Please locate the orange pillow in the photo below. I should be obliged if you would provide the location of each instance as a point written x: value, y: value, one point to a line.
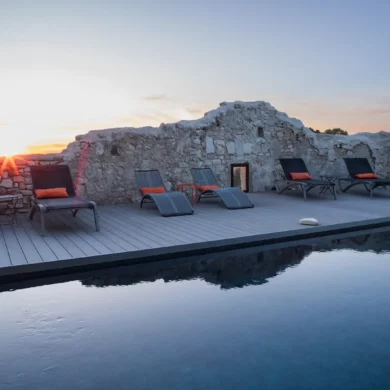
x: 211, y: 187
x: 51, y: 193
x: 155, y: 190
x: 366, y: 176
x: 300, y: 176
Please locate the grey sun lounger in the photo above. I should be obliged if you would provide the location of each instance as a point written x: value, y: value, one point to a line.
x: 169, y: 204
x: 358, y: 166
x: 297, y: 165
x: 232, y: 197
x: 57, y: 176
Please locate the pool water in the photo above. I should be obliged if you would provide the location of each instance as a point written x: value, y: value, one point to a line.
x: 305, y: 317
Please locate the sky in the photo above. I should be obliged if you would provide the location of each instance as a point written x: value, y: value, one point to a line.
x: 67, y: 67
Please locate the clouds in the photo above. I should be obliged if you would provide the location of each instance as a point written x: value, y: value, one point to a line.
x: 156, y: 98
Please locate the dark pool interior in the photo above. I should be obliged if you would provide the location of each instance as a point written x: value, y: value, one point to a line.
x: 309, y: 316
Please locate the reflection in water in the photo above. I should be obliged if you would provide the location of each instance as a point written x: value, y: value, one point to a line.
x: 323, y: 323
x: 243, y: 268
x: 219, y: 269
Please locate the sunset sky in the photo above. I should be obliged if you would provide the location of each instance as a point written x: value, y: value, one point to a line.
x: 67, y: 67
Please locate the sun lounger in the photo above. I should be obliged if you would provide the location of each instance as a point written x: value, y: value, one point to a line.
x: 296, y: 175
x: 207, y: 186
x: 54, y: 190
x: 361, y: 173
x: 152, y: 189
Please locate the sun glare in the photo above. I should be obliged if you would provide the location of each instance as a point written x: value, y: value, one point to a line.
x: 12, y: 144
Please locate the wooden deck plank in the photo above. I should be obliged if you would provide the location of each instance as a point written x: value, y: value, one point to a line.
x: 84, y: 235
x: 80, y: 245
x: 139, y: 231
x: 127, y: 229
x: 189, y: 223
x: 28, y: 248
x: 79, y: 224
x: 52, y: 231
x: 128, y: 232
x: 180, y: 225
x: 58, y: 249
x: 170, y: 229
x: 15, y: 251
x: 111, y: 233
x: 44, y: 249
x: 5, y: 259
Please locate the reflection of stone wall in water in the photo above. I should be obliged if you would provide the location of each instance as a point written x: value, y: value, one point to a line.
x: 232, y: 271
x: 378, y: 243
x: 219, y: 269
x: 104, y: 161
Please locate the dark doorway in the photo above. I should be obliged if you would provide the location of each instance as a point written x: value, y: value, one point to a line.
x: 239, y: 176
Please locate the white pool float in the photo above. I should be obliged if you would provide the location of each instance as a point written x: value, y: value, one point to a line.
x: 308, y: 221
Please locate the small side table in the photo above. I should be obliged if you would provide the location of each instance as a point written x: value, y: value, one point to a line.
x: 13, y: 200
x: 331, y: 179
x: 188, y: 188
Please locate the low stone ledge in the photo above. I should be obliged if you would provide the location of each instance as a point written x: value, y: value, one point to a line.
x: 15, y: 178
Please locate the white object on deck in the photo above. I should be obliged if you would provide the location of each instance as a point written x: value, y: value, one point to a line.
x: 308, y: 221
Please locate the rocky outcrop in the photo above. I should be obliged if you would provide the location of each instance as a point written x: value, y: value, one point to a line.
x: 103, y: 161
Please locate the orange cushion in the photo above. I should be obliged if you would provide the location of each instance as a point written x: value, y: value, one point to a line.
x: 155, y: 190
x: 366, y: 176
x: 51, y: 193
x: 205, y: 188
x: 300, y: 176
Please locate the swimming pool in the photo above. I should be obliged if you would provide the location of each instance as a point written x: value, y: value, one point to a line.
x: 314, y: 316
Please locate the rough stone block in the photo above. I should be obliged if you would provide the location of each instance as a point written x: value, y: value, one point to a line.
x: 239, y: 146
x: 99, y: 149
x: 7, y: 183
x: 247, y: 148
x: 230, y: 147
x: 210, y: 145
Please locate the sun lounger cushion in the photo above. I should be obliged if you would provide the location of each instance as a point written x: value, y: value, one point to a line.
x: 155, y: 190
x: 51, y: 193
x: 210, y: 187
x: 300, y: 176
x: 366, y: 176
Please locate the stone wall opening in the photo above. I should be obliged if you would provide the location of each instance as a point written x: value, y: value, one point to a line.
x: 239, y: 176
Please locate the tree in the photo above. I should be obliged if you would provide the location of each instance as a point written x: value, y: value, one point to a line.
x: 314, y: 131
x: 336, y: 131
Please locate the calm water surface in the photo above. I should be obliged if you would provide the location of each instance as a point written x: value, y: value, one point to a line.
x: 293, y: 318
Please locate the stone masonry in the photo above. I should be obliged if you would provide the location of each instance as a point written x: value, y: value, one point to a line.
x: 15, y: 178
x: 103, y: 161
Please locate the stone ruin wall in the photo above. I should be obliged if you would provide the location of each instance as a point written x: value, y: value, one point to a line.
x: 103, y: 162
x: 15, y: 178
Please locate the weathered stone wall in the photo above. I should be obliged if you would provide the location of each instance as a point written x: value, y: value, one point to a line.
x: 15, y: 178
x: 103, y: 162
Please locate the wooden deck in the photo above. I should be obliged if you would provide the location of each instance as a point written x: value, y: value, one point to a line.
x: 128, y: 233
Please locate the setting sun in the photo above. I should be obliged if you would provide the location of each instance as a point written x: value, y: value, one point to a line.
x: 14, y: 142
